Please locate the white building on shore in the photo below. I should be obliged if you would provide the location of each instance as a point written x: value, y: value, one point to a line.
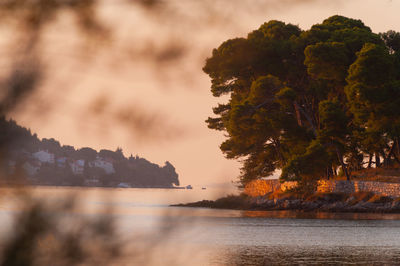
x: 104, y: 164
x: 44, y: 156
x: 77, y: 166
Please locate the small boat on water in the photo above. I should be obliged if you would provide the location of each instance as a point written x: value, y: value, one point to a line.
x: 123, y: 185
x: 189, y: 187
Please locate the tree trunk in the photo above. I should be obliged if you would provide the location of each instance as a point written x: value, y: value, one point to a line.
x: 398, y: 146
x: 298, y: 116
x: 370, y: 160
x: 391, y: 150
x: 387, y: 158
x: 330, y: 172
x: 396, y: 158
x: 377, y: 160
x: 297, y: 106
x: 340, y: 158
x: 278, y: 150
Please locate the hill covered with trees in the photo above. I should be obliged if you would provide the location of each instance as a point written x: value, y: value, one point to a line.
x: 312, y: 103
x: 46, y: 162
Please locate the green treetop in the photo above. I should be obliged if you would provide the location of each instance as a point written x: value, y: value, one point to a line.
x: 307, y: 102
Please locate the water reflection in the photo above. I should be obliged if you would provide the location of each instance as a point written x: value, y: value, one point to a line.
x: 155, y: 234
x: 309, y: 255
x: 322, y: 215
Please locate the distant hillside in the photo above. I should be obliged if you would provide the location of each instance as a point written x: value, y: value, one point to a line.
x: 45, y: 162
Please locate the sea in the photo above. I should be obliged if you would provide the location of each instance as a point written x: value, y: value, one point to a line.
x: 154, y: 233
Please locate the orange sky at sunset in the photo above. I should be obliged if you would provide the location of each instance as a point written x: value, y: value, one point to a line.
x: 144, y: 90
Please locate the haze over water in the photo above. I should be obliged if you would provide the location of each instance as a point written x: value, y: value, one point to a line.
x: 196, y: 236
x: 145, y: 91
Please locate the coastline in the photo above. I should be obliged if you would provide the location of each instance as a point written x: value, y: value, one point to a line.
x: 326, y: 202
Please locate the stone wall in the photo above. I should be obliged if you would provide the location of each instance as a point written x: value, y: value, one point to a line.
x: 262, y: 187
x: 379, y: 188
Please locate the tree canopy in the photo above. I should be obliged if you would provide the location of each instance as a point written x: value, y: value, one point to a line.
x: 310, y: 102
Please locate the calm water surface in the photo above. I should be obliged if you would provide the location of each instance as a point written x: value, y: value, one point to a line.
x: 196, y: 236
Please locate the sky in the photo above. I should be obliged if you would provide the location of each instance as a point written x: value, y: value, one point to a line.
x: 141, y: 86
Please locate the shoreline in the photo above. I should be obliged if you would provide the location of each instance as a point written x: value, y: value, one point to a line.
x: 328, y: 202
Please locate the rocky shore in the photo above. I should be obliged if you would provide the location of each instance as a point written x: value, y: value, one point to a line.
x: 327, y: 202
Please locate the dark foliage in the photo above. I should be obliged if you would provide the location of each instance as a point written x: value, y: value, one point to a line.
x: 310, y: 103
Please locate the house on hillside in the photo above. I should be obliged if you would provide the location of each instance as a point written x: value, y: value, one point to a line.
x: 105, y: 164
x: 44, y: 156
x: 77, y: 166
